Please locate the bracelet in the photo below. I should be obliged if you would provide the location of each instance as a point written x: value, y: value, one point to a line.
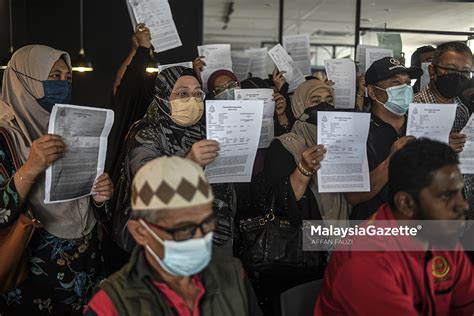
x: 97, y: 205
x: 304, y: 171
x: 23, y: 179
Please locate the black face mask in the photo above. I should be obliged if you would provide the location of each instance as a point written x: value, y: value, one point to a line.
x: 450, y: 85
x: 312, y: 112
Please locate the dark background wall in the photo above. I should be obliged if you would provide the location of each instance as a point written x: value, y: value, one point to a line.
x: 107, y: 34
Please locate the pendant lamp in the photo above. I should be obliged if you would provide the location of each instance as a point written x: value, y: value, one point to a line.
x: 81, y: 63
x: 6, y: 59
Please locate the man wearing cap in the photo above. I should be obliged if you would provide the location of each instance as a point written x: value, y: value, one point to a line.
x: 390, y: 93
x: 172, y: 271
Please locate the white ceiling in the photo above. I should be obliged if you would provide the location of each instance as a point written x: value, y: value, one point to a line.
x: 254, y: 21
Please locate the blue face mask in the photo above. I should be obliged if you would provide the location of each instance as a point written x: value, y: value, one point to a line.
x: 55, y: 92
x: 399, y: 99
x: 182, y: 258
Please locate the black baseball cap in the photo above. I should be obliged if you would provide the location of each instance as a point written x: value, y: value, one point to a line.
x: 388, y: 67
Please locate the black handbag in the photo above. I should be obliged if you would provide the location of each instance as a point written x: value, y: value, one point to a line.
x: 270, y: 243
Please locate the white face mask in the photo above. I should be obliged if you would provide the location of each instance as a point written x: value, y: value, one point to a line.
x: 186, y: 113
x: 228, y: 94
x: 182, y: 258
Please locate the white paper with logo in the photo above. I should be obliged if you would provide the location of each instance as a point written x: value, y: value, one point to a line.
x: 345, y: 167
x: 267, y: 133
x: 433, y: 121
x: 236, y: 126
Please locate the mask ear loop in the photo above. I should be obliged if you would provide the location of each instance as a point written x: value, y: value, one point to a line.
x: 159, y: 105
x: 23, y: 83
x: 151, y: 231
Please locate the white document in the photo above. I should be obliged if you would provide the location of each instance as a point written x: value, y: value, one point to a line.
x: 284, y: 62
x: 297, y: 47
x: 267, y: 133
x: 84, y: 131
x: 236, y: 126
x: 360, y: 56
x: 425, y: 78
x: 258, y: 62
x: 187, y: 64
x: 345, y: 167
x: 374, y: 54
x: 156, y: 14
x: 240, y: 64
x: 433, y: 121
x: 466, y: 156
x: 216, y: 56
x: 342, y: 72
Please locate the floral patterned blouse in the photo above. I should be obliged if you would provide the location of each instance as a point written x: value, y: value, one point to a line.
x: 62, y: 272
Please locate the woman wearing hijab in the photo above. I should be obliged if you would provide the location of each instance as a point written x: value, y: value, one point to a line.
x: 221, y: 85
x: 173, y: 126
x: 64, y: 256
x: 290, y: 171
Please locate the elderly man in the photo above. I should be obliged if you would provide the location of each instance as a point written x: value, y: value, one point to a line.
x: 172, y: 271
x: 450, y: 72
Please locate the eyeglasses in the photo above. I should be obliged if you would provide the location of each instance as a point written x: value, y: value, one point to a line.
x: 198, y: 95
x: 464, y: 73
x: 228, y: 85
x: 189, y: 231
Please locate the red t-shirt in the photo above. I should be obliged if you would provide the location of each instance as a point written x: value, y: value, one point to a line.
x: 101, y: 304
x: 395, y: 283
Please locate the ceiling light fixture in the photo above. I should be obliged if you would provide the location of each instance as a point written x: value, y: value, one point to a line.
x: 4, y: 62
x: 81, y: 63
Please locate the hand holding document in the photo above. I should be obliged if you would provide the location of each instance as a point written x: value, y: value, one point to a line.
x: 466, y: 156
x: 283, y: 61
x: 345, y: 167
x: 433, y: 121
x: 156, y: 14
x: 84, y: 131
x: 267, y: 133
x: 236, y: 126
x: 297, y: 47
x: 216, y: 57
x: 342, y: 73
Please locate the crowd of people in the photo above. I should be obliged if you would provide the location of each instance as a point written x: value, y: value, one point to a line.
x: 155, y: 238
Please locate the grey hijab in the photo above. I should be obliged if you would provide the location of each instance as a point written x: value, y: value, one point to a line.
x: 26, y: 121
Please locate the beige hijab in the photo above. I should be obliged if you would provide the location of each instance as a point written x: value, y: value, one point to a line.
x: 333, y: 206
x: 26, y: 120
